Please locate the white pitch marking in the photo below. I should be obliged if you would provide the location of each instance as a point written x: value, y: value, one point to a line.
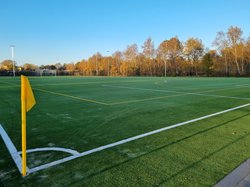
x: 73, y: 152
x: 45, y: 166
x: 243, y: 85
x: 190, y: 93
x: 16, y: 154
x: 12, y: 149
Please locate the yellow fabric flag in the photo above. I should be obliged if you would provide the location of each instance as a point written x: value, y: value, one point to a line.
x: 27, y: 93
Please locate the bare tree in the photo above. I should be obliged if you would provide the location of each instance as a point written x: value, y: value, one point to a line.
x: 162, y: 53
x: 234, y: 35
x: 118, y: 57
x: 222, y: 47
x: 149, y: 53
x: 130, y: 55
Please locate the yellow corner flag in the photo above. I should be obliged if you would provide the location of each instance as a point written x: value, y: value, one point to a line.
x: 26, y: 93
x: 27, y: 102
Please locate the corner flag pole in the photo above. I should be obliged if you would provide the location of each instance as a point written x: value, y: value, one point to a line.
x: 23, y: 101
x: 27, y: 102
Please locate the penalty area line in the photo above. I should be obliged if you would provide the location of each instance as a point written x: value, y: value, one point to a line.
x: 57, y: 162
x: 181, y: 92
x: 72, y: 97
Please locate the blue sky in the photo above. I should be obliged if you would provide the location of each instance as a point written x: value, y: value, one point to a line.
x: 48, y: 31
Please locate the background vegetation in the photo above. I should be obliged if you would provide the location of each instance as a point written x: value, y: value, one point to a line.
x: 171, y: 58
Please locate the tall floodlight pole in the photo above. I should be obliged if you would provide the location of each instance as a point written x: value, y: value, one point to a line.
x: 13, y: 62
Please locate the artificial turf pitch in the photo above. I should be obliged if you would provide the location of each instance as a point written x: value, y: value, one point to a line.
x: 82, y: 113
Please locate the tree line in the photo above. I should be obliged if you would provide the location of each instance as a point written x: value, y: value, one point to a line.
x: 172, y: 57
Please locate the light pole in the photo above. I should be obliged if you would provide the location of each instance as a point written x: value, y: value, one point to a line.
x: 13, y: 62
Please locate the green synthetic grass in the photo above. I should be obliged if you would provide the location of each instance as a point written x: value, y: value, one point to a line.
x: 83, y: 113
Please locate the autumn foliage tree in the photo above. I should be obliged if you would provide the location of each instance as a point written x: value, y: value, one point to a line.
x: 171, y: 57
x: 194, y: 50
x: 169, y: 52
x: 6, y: 65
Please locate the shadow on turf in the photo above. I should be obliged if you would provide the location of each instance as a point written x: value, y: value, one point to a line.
x: 170, y: 144
x: 203, y: 158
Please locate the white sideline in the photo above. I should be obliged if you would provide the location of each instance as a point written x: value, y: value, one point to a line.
x: 73, y: 152
x: 129, y: 140
x: 188, y: 93
x: 243, y: 85
x: 12, y: 149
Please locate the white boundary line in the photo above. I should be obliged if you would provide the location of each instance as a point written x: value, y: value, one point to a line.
x: 243, y: 85
x: 45, y: 166
x: 188, y: 93
x: 17, y: 159
x: 70, y: 151
x: 16, y: 154
x: 12, y: 149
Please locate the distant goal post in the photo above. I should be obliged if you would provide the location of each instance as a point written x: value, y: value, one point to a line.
x: 47, y: 72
